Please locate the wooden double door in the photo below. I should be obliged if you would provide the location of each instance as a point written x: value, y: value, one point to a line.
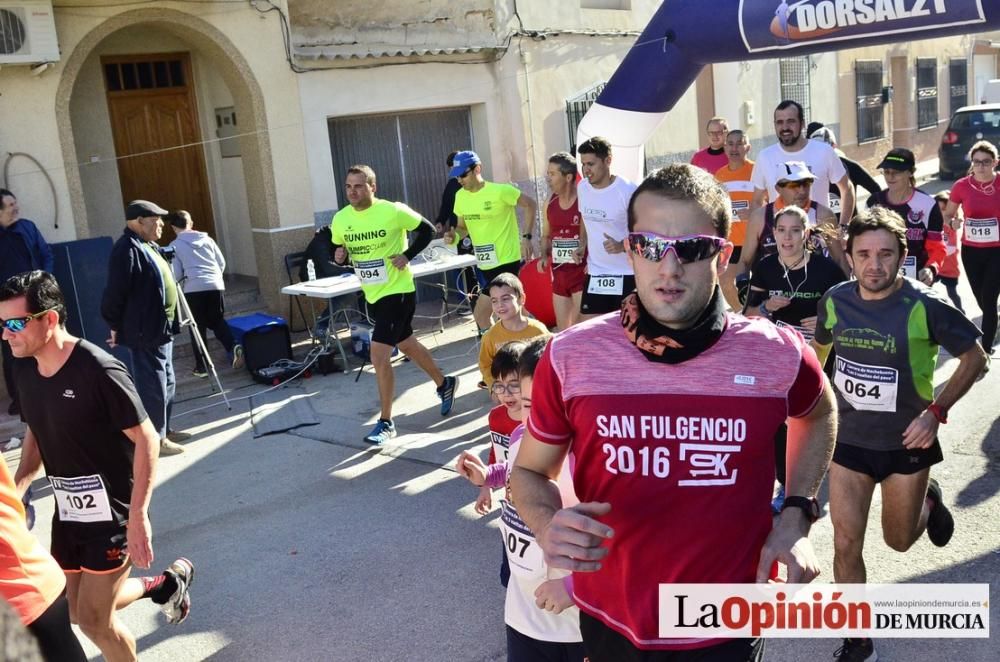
x: 154, y: 120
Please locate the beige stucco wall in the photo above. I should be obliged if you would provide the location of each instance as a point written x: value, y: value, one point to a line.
x: 241, y: 47
x: 901, y: 130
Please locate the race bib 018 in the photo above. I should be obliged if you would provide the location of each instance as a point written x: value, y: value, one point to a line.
x: 486, y: 256
x: 867, y: 387
x: 372, y: 272
x: 606, y: 284
x: 563, y: 249
x: 81, y: 499
x: 981, y: 230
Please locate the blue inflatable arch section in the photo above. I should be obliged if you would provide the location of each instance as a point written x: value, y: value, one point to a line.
x: 675, y: 46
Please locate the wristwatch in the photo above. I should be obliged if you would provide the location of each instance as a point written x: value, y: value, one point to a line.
x: 809, y: 505
x: 526, y: 235
x: 939, y: 413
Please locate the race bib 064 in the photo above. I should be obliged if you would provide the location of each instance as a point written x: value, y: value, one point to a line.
x: 867, y: 387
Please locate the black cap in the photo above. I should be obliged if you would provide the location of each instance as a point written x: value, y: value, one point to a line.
x: 899, y: 158
x: 142, y: 209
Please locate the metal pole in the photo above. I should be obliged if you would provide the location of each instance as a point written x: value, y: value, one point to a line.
x: 187, y: 319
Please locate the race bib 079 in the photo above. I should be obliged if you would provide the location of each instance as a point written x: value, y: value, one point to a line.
x: 867, y: 387
x: 981, y: 230
x: 606, y: 284
x: 486, y: 256
x: 81, y: 499
x: 563, y: 249
x: 372, y: 272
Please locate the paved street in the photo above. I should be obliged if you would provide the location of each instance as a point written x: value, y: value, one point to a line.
x: 310, y: 545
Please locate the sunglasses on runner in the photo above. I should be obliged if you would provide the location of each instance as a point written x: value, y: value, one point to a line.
x: 17, y: 324
x: 688, y: 249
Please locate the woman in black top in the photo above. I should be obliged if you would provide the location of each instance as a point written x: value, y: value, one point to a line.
x: 786, y: 286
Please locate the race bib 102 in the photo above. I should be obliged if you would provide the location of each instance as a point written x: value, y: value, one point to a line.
x: 606, y: 284
x: 867, y: 387
x: 81, y: 499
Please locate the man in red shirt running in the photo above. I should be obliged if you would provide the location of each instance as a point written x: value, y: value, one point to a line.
x: 672, y: 433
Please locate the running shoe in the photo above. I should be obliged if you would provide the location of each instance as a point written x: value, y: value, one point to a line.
x: 856, y: 650
x: 778, y: 501
x: 178, y: 606
x: 481, y: 385
x: 447, y: 394
x: 177, y: 435
x: 381, y: 433
x: 200, y: 373
x: 238, y: 359
x: 940, y: 523
x: 168, y: 447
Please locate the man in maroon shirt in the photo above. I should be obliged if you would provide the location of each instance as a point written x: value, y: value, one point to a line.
x: 674, y: 448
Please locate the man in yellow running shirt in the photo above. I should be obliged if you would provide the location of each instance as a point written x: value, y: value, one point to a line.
x: 486, y: 212
x: 374, y: 233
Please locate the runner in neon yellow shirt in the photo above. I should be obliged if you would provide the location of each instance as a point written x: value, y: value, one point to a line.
x: 486, y: 212
x: 374, y: 233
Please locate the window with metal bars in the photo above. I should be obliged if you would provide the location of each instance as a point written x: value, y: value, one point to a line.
x: 958, y: 80
x: 144, y: 75
x: 927, y: 92
x: 868, y: 88
x: 577, y: 107
x: 794, y: 76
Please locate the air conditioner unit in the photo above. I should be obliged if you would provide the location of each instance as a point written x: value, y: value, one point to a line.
x: 27, y: 32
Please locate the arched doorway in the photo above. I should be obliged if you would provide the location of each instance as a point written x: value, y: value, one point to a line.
x: 240, y: 184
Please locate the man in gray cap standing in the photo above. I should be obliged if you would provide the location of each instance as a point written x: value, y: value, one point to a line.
x: 140, y: 307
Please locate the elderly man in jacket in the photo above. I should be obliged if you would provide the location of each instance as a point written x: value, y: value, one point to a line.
x: 140, y: 305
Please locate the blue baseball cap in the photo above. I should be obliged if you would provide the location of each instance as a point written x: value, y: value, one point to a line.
x: 462, y: 162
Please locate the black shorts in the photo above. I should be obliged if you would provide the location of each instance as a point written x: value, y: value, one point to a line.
x: 522, y: 648
x: 882, y: 464
x: 606, y: 645
x: 95, y: 548
x: 598, y: 304
x: 393, y: 317
x: 490, y: 274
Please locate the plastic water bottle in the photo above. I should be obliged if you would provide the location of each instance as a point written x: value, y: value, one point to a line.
x: 311, y: 270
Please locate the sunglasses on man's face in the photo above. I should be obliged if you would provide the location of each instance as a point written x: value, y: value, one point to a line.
x: 17, y: 324
x: 688, y: 249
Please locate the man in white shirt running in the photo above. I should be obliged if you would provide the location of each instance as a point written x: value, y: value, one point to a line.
x: 792, y: 145
x: 603, y: 200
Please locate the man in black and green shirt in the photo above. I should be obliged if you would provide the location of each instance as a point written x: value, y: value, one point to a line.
x: 886, y: 330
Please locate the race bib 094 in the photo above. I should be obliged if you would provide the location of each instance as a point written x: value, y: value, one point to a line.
x: 372, y: 272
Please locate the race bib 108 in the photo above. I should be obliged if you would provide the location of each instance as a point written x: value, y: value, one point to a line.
x: 606, y: 284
